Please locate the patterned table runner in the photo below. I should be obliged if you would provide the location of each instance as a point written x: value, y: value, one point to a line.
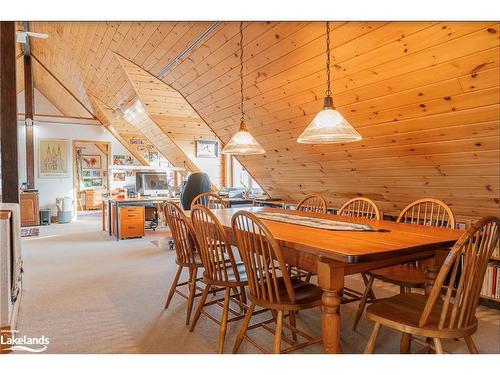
x: 313, y: 222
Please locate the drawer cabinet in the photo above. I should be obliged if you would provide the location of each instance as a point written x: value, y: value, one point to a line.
x: 131, y: 221
x: 30, y: 209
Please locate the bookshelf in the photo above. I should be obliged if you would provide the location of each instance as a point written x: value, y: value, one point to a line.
x: 491, y: 283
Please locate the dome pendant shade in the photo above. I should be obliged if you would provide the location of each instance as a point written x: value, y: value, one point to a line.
x: 329, y: 126
x: 243, y: 143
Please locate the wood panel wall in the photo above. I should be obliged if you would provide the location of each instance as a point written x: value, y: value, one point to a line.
x: 424, y: 96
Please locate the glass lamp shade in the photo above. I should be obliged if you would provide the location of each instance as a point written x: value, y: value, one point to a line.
x: 329, y: 126
x: 243, y: 143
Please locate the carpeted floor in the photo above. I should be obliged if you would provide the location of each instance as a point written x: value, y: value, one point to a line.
x: 91, y: 294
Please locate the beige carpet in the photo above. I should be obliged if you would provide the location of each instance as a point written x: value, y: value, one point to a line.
x: 91, y: 294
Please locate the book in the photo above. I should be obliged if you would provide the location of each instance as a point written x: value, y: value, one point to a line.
x: 497, y: 294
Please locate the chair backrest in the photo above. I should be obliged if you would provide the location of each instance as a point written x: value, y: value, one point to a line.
x: 428, y: 211
x: 461, y: 276
x: 215, y: 248
x: 182, y: 233
x: 264, y: 262
x: 209, y: 200
x: 196, y: 184
x: 313, y: 203
x: 360, y: 207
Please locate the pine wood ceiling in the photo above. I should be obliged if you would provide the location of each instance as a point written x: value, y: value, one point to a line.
x: 424, y: 96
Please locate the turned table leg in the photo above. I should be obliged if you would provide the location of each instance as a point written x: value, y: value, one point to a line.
x: 432, y: 267
x: 331, y: 280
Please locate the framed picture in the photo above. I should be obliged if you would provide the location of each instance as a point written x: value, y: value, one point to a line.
x: 96, y: 173
x: 153, y: 156
x: 87, y: 182
x: 119, y: 176
x: 118, y: 159
x: 129, y: 160
x: 53, y: 157
x: 207, y: 149
x: 91, y: 161
x: 136, y: 141
x: 96, y: 182
x: 87, y: 173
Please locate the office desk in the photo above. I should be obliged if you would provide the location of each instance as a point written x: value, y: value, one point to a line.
x: 234, y: 202
x: 115, y: 204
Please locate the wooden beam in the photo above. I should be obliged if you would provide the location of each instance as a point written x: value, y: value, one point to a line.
x: 8, y: 112
x: 29, y: 104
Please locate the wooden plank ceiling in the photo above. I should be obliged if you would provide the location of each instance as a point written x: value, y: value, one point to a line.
x: 424, y: 96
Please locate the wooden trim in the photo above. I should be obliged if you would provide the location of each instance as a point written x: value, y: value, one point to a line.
x: 107, y: 144
x: 8, y: 112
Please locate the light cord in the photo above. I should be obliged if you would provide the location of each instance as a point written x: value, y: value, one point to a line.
x: 241, y: 72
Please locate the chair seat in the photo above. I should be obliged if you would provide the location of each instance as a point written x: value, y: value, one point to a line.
x: 307, y: 295
x: 240, y: 269
x: 401, y: 274
x: 403, y: 311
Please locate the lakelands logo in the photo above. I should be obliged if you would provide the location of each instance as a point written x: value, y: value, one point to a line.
x: 11, y: 342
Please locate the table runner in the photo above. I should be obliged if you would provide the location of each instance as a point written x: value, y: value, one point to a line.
x: 313, y: 222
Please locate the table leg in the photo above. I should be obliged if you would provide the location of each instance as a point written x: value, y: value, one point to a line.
x: 117, y: 216
x: 103, y: 208
x: 432, y: 267
x: 110, y: 207
x: 331, y: 280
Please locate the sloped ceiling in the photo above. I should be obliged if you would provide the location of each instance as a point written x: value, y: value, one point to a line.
x: 168, y: 120
x: 424, y: 95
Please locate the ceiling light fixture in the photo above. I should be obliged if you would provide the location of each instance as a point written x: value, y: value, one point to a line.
x: 242, y: 143
x: 329, y: 126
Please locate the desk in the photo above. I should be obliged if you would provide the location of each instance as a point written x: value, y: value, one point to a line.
x: 335, y: 254
x: 274, y: 203
x: 115, y: 204
x: 233, y: 202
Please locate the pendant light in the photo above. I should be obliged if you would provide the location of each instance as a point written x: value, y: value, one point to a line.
x: 329, y: 126
x: 242, y: 143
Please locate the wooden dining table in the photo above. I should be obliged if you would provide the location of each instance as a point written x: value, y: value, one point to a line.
x: 334, y: 254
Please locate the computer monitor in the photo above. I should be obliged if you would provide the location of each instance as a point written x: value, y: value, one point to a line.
x: 152, y: 183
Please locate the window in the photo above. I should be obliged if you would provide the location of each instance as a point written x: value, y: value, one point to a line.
x: 242, y: 179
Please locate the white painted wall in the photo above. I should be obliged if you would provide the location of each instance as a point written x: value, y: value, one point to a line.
x: 42, y: 104
x: 52, y: 188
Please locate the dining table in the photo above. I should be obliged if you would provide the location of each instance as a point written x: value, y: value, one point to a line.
x: 334, y: 254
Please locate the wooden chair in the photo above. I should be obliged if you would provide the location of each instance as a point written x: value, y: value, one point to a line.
x: 360, y: 207
x: 221, y: 269
x: 449, y: 311
x: 209, y: 200
x: 187, y: 255
x: 427, y: 211
x: 270, y: 284
x: 368, y: 209
x: 310, y: 203
x: 313, y: 203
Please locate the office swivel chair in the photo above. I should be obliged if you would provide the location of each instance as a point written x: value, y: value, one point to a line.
x: 196, y: 184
